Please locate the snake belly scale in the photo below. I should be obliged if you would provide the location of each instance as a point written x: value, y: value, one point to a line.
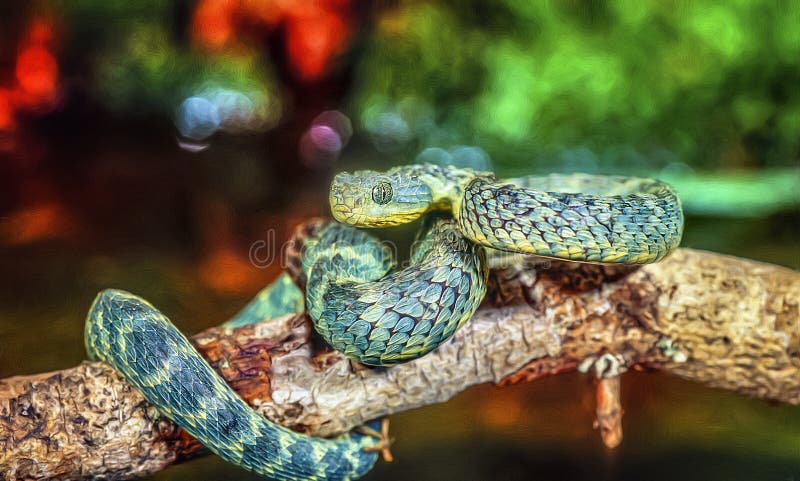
x: 577, y: 217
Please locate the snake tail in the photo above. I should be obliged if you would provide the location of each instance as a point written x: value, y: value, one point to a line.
x: 138, y: 341
x: 377, y: 316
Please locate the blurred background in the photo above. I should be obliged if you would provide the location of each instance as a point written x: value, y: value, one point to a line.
x: 149, y: 145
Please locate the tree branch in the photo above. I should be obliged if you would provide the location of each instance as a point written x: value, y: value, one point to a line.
x: 721, y: 321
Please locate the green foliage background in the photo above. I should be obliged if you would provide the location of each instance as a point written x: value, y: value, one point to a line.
x: 618, y: 85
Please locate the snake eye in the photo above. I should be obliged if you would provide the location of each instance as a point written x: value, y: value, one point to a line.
x: 382, y: 193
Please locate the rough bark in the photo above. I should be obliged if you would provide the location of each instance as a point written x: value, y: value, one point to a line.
x: 721, y: 321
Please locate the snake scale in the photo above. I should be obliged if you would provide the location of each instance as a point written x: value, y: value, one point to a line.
x: 373, y: 313
x: 379, y: 317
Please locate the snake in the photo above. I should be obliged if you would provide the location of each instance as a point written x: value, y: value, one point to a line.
x: 372, y: 312
x: 575, y: 217
x: 149, y: 352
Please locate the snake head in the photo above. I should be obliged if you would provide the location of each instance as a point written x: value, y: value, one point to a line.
x: 373, y: 199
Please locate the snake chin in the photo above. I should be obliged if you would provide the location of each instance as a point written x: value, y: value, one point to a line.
x: 362, y: 218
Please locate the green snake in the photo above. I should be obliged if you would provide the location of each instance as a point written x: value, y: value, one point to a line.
x: 372, y: 313
x: 577, y: 217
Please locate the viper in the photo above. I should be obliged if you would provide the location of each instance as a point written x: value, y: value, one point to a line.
x: 367, y: 308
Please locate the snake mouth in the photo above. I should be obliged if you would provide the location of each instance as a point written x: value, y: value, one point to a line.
x: 344, y: 214
x: 354, y: 216
x: 347, y: 215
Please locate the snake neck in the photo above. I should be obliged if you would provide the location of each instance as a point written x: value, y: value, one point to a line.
x: 447, y: 184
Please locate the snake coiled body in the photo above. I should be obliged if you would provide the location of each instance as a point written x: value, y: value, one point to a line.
x: 379, y: 317
x: 372, y: 313
x: 152, y: 355
x: 578, y: 217
x: 359, y: 306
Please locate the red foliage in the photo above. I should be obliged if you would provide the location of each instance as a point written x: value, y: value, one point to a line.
x: 6, y: 110
x: 316, y: 30
x: 36, y: 75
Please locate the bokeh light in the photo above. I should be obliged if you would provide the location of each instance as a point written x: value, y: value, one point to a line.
x: 34, y: 86
x: 37, y: 72
x: 324, y: 140
x: 387, y: 128
x: 314, y: 36
x: 216, y: 109
x: 197, y: 118
x: 464, y: 156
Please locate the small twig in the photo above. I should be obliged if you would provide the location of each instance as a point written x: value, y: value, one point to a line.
x: 609, y: 411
